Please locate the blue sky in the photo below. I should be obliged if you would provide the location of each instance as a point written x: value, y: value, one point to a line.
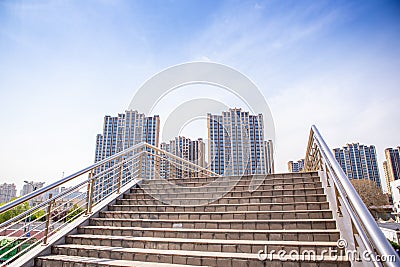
x: 65, y: 64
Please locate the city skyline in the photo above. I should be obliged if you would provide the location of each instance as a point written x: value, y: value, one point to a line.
x: 115, y: 127
x: 63, y: 67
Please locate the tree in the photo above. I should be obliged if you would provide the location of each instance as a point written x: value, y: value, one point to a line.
x: 370, y: 193
x: 74, y: 212
x: 5, y: 216
x: 39, y: 215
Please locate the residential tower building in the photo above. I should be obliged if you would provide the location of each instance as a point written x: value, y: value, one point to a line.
x: 7, y: 192
x: 359, y: 162
x: 236, y: 143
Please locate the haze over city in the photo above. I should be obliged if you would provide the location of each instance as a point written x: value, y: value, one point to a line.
x: 64, y: 65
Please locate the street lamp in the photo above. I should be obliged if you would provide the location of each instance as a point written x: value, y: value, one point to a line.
x: 28, y: 219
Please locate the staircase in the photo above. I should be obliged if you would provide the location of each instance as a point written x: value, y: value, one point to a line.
x: 286, y: 212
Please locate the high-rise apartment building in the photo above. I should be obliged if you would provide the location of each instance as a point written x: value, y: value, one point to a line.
x: 185, y: 148
x: 122, y: 132
x: 7, y: 192
x: 236, y: 143
x: 392, y: 166
x: 359, y: 162
x: 296, y: 166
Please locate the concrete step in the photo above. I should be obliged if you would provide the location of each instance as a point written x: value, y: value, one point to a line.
x: 227, y: 215
x: 219, y: 224
x: 210, y: 194
x: 129, y: 205
x: 65, y: 260
x: 233, y: 200
x: 167, y: 187
x: 238, y: 234
x: 283, y: 176
x: 215, y: 245
x: 225, y: 181
x: 199, y: 258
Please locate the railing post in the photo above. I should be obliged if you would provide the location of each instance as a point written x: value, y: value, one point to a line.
x: 48, y: 218
x: 88, y: 192
x: 119, y: 178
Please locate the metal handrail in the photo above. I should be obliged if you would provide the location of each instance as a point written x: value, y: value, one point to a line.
x: 40, y: 191
x: 356, y: 208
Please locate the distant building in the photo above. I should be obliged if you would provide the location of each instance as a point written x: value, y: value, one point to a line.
x: 71, y: 198
x: 236, y: 143
x: 185, y: 148
x: 30, y: 187
x: 7, y: 192
x: 296, y: 166
x: 359, y: 162
x: 391, y: 166
x: 165, y: 170
x: 119, y: 133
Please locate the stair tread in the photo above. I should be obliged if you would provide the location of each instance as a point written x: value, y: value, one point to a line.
x: 209, y: 241
x: 223, y: 191
x: 216, y: 221
x: 213, y: 230
x: 229, y: 197
x: 219, y: 204
x: 109, y: 262
x: 158, y: 182
x: 190, y: 253
x: 216, y: 212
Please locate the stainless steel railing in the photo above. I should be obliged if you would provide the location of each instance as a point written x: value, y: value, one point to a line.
x: 53, y: 210
x: 353, y: 216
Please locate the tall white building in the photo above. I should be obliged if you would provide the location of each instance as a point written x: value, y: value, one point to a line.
x: 237, y: 143
x: 7, y: 192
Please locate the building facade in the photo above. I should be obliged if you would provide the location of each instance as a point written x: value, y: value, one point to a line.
x: 359, y: 162
x: 7, y: 192
x: 392, y: 166
x: 297, y: 166
x: 122, y: 132
x: 236, y: 143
